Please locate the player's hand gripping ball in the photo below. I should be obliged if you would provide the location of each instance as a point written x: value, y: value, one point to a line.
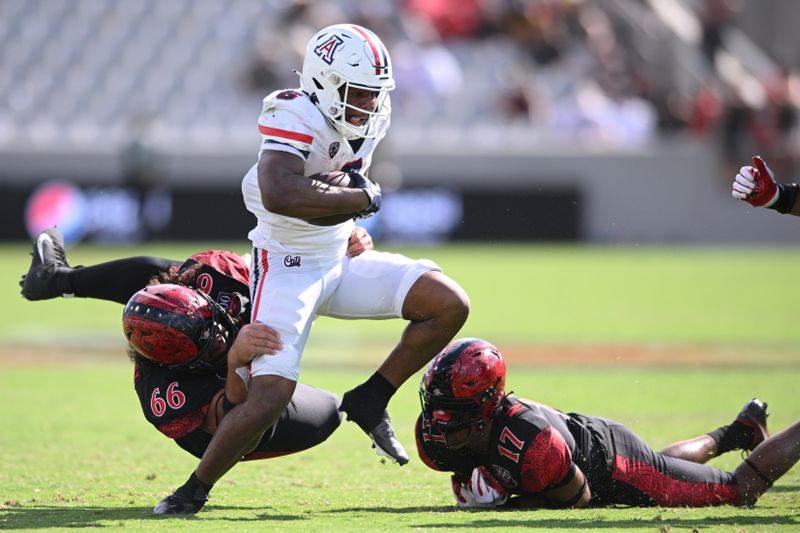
x: 480, y: 490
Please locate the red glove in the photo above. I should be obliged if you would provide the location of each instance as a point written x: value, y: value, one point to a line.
x: 756, y: 186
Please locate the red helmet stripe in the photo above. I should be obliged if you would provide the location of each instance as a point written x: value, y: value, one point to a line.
x: 372, y: 47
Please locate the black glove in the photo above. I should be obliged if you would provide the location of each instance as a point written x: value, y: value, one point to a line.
x: 373, y: 191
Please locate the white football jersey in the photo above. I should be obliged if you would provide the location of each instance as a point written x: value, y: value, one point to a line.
x: 291, y: 123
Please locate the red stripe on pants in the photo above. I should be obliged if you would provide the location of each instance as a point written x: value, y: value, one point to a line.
x: 669, y: 492
x: 263, y: 261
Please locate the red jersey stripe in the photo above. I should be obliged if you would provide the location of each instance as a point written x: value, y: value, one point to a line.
x: 286, y: 134
x: 515, y: 409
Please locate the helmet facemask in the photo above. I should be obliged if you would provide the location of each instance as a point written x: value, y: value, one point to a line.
x: 463, y: 390
x: 217, y: 337
x: 451, y: 416
x: 367, y: 129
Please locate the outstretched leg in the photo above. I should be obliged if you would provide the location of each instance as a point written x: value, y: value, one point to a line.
x: 641, y: 476
x: 116, y: 280
x: 237, y: 435
x: 697, y: 450
x: 746, y: 432
x: 769, y: 461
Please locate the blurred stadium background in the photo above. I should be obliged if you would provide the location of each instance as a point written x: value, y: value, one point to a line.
x: 614, y: 121
x: 596, y: 139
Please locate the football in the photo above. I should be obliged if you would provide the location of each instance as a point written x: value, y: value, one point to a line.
x: 337, y: 178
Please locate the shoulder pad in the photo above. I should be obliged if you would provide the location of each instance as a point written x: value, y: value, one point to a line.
x: 293, y: 101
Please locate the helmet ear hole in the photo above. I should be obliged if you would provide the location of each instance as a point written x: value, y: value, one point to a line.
x: 318, y: 84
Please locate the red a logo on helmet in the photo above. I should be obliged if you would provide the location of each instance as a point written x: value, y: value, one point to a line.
x: 326, y: 50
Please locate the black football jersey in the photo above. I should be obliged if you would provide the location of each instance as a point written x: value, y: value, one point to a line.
x: 175, y: 401
x: 531, y: 448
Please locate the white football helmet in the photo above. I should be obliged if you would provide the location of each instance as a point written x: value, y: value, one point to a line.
x: 344, y: 57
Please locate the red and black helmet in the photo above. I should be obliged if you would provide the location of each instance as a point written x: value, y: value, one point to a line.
x: 176, y: 326
x: 463, y: 387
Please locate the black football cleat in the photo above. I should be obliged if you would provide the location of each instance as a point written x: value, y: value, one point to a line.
x: 375, y: 422
x: 176, y: 504
x: 386, y: 444
x: 754, y: 415
x: 49, y: 258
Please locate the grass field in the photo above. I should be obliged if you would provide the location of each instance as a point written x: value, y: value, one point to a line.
x: 671, y: 341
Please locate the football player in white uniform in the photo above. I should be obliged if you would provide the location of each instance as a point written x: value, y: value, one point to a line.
x: 333, y: 122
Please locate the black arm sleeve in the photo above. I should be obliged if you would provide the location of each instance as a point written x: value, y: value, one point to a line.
x: 786, y: 198
x: 572, y: 501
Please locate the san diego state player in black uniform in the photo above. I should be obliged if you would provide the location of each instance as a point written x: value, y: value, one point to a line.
x: 498, y: 445
x: 190, y: 369
x: 50, y: 275
x: 183, y: 382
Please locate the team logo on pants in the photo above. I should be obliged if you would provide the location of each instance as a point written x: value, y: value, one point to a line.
x: 291, y: 261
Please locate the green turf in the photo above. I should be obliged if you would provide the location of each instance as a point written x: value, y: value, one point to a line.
x: 76, y: 451
x: 525, y: 293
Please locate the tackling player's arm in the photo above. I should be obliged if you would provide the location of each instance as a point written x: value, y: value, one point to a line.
x: 285, y: 190
x: 547, y: 470
x: 574, y: 492
x: 788, y: 203
x: 359, y: 242
x: 253, y: 339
